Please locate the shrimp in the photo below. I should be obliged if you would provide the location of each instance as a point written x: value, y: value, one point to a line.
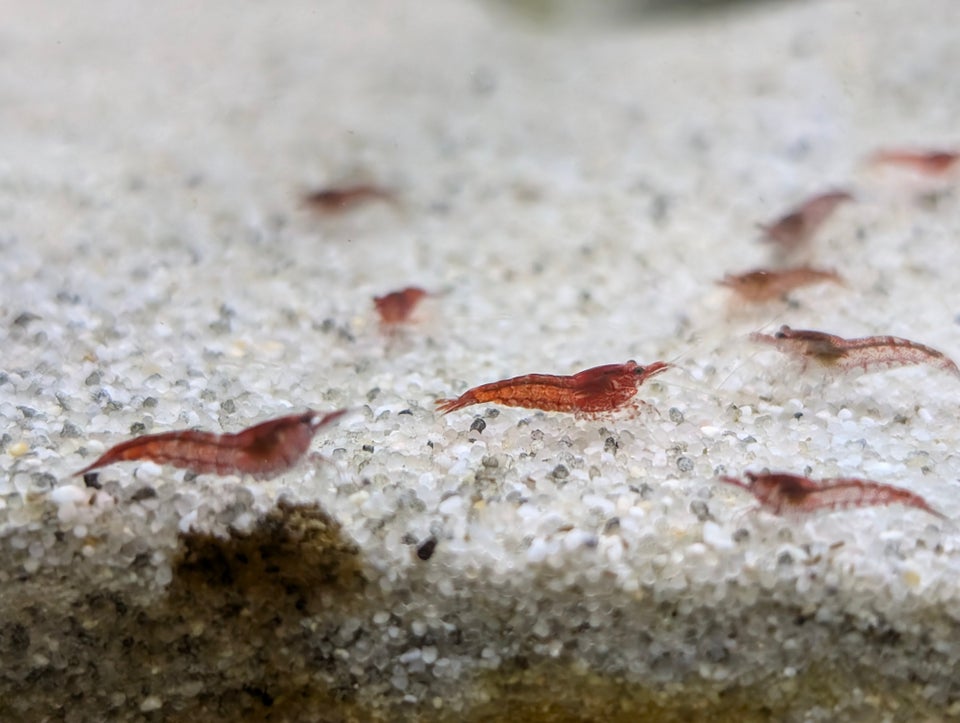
x: 870, y: 353
x: 588, y: 393
x: 783, y: 493
x: 261, y: 451
x: 396, y: 307
x: 765, y: 284
x: 798, y: 226
x: 339, y: 199
x: 928, y: 163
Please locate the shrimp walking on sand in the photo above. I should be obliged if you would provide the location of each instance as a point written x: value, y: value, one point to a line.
x: 870, y: 353
x: 798, y: 226
x: 261, y: 451
x: 397, y: 306
x: 928, y: 163
x: 588, y: 393
x: 345, y: 198
x: 765, y: 284
x: 783, y: 493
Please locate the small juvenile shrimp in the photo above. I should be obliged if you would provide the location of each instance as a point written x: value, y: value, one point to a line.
x: 588, y: 393
x: 928, y: 163
x: 783, y: 493
x: 345, y: 198
x: 798, y: 226
x: 870, y: 353
x: 765, y: 284
x: 396, y: 307
x: 261, y: 451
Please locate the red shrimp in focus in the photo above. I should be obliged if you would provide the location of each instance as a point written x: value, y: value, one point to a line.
x: 765, y: 284
x: 928, y: 163
x: 588, y: 393
x: 797, y: 227
x: 782, y: 493
x: 261, y: 451
x: 396, y: 307
x: 345, y: 198
x: 870, y: 353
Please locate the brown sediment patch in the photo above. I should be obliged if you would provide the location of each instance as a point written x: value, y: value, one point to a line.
x: 267, y: 602
x: 295, y: 556
x: 550, y: 692
x: 244, y: 631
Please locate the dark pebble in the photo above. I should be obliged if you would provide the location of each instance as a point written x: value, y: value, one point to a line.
x: 425, y: 549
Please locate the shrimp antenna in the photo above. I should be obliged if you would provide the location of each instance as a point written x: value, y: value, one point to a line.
x: 712, y: 339
x: 775, y: 321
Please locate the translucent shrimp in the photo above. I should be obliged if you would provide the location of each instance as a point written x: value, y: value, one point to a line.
x: 928, y: 163
x: 782, y: 493
x: 345, y: 198
x: 397, y: 306
x: 762, y: 285
x: 869, y: 353
x: 261, y: 451
x: 588, y: 393
x: 798, y: 226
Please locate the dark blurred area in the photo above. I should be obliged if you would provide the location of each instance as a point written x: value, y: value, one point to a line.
x: 617, y: 11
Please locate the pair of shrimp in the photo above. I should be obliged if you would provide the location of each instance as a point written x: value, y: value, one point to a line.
x: 783, y: 493
x: 588, y: 393
x: 870, y: 353
x: 797, y: 227
x: 261, y: 451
